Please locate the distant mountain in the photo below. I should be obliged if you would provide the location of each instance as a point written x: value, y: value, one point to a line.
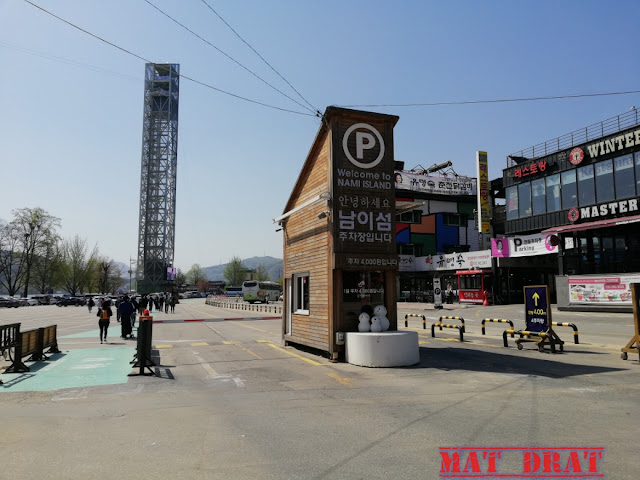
x: 273, y: 266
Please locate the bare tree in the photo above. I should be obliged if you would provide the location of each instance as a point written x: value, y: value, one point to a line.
x: 46, y: 268
x: 109, y: 275
x: 12, y: 258
x: 36, y: 227
x: 77, y: 263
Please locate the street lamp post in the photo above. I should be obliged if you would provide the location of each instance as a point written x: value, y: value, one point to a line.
x: 130, y: 272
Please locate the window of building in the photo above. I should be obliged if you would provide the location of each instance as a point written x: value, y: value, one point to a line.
x: 512, y: 202
x: 414, y: 216
x: 454, y: 220
x: 406, y: 249
x: 524, y: 200
x: 538, y: 198
x: 624, y: 178
x: 553, y: 193
x: 604, y: 181
x: 586, y: 186
x: 569, y: 190
x: 301, y: 294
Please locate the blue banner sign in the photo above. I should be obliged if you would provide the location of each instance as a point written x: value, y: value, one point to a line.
x: 537, y: 314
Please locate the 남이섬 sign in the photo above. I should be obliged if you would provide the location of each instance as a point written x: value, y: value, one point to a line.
x: 363, y: 206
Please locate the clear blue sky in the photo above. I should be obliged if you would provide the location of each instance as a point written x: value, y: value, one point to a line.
x: 71, y: 123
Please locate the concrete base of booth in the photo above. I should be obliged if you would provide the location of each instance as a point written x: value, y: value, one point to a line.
x: 384, y: 349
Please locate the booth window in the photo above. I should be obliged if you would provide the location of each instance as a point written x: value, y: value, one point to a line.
x: 512, y: 203
x: 553, y: 193
x: 569, y: 190
x: 538, y: 195
x: 524, y: 199
x: 625, y: 182
x: 604, y: 181
x: 586, y: 187
x: 301, y: 294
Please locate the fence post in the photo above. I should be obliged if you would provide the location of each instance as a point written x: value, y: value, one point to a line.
x: 143, y: 349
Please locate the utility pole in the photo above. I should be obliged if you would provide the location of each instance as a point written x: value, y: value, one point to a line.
x: 131, y: 261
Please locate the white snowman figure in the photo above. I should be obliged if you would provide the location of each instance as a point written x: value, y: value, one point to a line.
x: 364, y: 325
x: 381, y: 312
x: 375, y: 324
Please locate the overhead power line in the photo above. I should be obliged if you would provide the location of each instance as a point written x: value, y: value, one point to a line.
x: 501, y: 100
x: 149, y: 61
x: 68, y: 61
x: 227, y: 55
x: 258, y: 54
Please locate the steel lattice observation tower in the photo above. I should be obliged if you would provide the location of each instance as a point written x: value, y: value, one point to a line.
x: 156, y: 230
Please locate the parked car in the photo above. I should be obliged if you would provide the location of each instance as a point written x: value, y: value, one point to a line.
x: 9, y: 302
x: 70, y: 301
x: 21, y: 301
x: 31, y: 301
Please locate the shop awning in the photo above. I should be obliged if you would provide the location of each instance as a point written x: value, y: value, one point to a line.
x: 577, y: 227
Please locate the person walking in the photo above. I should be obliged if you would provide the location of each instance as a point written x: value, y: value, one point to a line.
x: 166, y: 305
x: 118, y: 302
x: 90, y: 303
x: 125, y: 309
x: 172, y: 303
x: 104, y: 314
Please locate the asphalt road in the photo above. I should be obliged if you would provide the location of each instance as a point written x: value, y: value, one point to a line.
x: 230, y: 402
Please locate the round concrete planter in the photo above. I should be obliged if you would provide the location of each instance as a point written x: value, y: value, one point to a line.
x: 383, y: 349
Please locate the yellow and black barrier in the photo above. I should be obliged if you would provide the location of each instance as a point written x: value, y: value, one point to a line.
x: 406, y: 319
x: 443, y: 325
x: 460, y: 319
x: 543, y: 338
x: 497, y: 320
x: 572, y: 325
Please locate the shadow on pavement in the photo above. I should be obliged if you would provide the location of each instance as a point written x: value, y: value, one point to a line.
x: 480, y: 361
x: 34, y: 367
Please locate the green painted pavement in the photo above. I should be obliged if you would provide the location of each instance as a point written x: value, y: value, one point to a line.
x: 72, y: 369
x: 91, y: 333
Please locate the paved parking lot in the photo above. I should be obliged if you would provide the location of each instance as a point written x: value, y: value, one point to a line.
x: 229, y: 401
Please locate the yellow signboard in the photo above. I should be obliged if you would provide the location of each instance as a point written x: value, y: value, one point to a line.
x: 483, y: 192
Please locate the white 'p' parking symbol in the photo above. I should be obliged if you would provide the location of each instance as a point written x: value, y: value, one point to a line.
x: 364, y: 141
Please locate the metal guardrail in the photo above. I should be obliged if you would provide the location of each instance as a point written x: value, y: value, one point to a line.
x: 572, y: 325
x: 424, y: 319
x: 240, y: 305
x: 443, y: 325
x: 497, y: 320
x: 577, y: 137
x: 8, y: 338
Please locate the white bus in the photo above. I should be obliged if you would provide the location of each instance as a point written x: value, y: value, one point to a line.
x: 255, y: 291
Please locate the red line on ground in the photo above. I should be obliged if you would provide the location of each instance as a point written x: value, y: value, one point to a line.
x: 235, y: 319
x: 198, y: 320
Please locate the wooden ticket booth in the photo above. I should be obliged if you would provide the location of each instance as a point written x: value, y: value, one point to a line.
x: 338, y: 230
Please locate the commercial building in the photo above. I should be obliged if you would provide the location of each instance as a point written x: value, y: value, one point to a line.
x: 437, y: 235
x: 581, y: 192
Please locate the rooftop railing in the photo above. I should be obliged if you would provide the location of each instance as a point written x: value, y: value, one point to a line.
x: 577, y: 137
